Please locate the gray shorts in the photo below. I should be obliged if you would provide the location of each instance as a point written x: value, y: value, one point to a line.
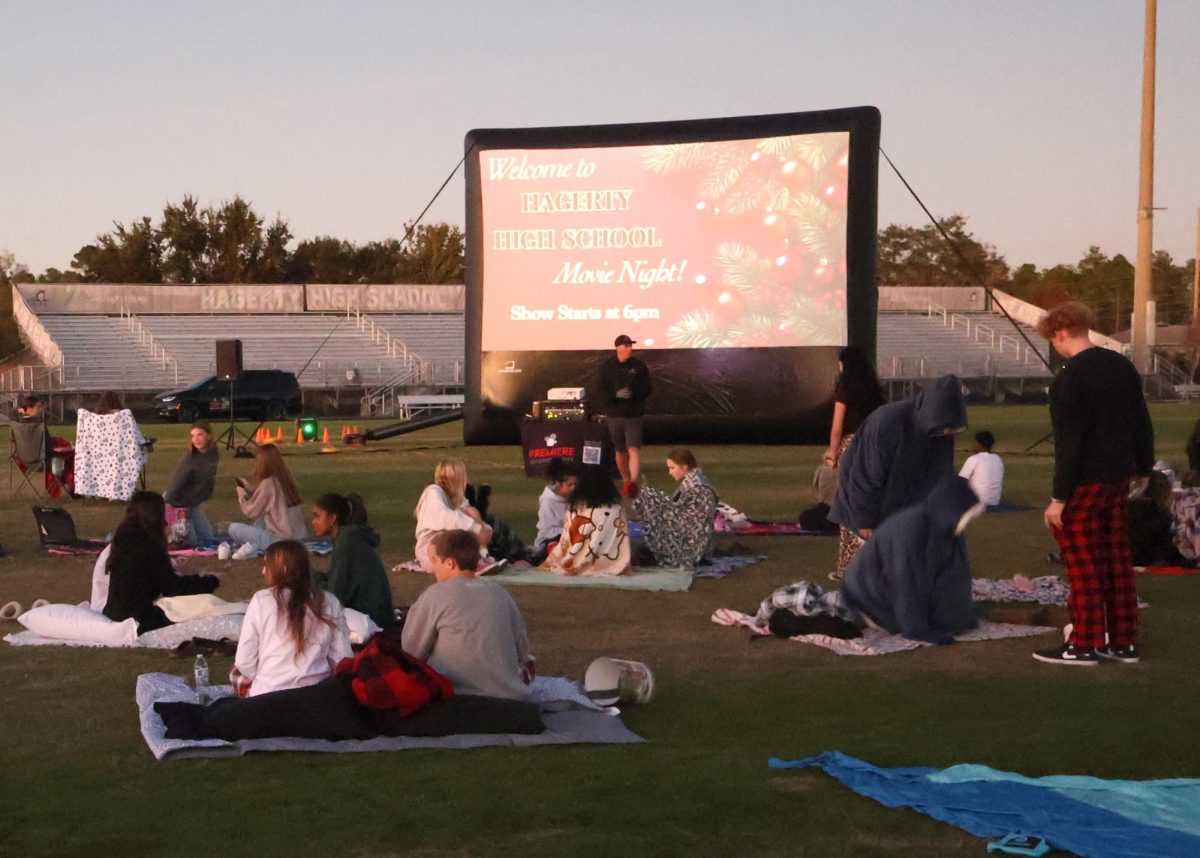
x: 625, y: 432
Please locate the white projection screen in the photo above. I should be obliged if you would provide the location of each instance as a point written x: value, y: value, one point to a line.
x: 738, y: 253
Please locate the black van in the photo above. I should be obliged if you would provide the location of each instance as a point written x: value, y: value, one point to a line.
x: 267, y: 394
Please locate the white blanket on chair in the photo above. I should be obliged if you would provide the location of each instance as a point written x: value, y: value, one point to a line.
x: 108, y: 454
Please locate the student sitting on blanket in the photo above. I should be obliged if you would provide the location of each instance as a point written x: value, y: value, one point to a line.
x: 273, y: 502
x: 679, y: 528
x: 294, y: 632
x: 194, y: 481
x: 1150, y: 521
x: 911, y: 577
x: 1185, y: 515
x: 552, y: 507
x: 443, y: 506
x: 595, y: 539
x: 468, y: 628
x: 356, y: 574
x: 139, y: 568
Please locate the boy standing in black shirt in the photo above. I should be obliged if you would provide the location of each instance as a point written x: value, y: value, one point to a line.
x: 1103, y: 438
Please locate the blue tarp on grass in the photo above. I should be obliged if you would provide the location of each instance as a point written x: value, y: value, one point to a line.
x: 1091, y: 817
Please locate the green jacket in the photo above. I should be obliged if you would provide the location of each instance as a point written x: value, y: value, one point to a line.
x: 356, y: 574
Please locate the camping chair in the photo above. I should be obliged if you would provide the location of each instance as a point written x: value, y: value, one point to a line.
x: 29, y: 457
x: 56, y: 530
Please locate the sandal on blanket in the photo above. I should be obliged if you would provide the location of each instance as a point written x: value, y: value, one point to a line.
x: 206, y: 646
x: 186, y: 649
x: 11, y: 611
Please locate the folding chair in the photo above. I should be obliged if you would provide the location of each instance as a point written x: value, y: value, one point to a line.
x: 28, y: 457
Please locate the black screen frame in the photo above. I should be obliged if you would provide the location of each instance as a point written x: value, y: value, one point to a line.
x: 753, y: 406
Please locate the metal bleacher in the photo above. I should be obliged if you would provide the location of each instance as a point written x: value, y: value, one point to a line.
x: 106, y: 352
x: 438, y: 338
x: 154, y: 352
x: 390, y: 356
x: 968, y: 344
x: 278, y: 341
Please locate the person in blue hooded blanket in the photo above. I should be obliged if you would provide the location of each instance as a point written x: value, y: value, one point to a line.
x: 897, y: 456
x: 912, y: 577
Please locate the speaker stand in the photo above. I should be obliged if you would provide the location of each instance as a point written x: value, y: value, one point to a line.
x: 230, y: 435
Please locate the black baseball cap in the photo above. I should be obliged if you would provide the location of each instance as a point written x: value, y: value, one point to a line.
x: 623, y: 340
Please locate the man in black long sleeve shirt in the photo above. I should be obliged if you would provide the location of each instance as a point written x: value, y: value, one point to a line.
x: 1102, y: 438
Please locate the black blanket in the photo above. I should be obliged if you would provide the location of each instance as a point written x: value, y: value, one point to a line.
x: 329, y: 711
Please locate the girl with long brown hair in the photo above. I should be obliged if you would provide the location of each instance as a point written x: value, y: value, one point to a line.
x: 273, y: 502
x: 294, y: 632
x: 135, y: 570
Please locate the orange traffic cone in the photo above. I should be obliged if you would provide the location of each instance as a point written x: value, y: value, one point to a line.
x: 328, y: 448
x: 299, y: 437
x: 345, y: 430
x: 325, y: 437
x: 278, y: 434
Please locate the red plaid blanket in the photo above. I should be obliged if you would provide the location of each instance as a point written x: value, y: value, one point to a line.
x: 386, y: 677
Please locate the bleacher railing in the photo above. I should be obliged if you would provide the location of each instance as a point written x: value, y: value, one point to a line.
x: 381, y: 336
x: 384, y: 398
x: 30, y: 378
x: 978, y: 330
x: 40, y: 341
x: 148, y: 341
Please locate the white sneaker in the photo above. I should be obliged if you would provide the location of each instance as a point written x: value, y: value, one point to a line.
x: 224, y: 551
x: 245, y: 551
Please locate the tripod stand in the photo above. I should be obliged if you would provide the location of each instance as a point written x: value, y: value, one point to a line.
x: 231, y: 432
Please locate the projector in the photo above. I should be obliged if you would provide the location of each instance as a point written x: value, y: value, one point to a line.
x: 561, y: 394
x: 566, y: 410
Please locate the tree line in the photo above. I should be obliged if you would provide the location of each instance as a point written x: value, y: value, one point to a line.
x: 920, y: 256
x: 231, y: 243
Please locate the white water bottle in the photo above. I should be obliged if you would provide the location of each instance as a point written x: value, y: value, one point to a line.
x: 200, y: 677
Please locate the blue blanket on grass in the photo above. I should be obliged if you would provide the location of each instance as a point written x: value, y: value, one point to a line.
x: 1091, y: 817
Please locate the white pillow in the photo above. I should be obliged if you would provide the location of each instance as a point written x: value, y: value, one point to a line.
x: 360, y: 625
x: 197, y: 606
x: 78, y: 623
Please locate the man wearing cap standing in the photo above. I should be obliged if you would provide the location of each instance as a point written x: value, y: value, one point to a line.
x: 624, y: 387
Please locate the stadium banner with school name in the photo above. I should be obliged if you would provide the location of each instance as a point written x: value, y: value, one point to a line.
x: 386, y: 298
x: 218, y: 298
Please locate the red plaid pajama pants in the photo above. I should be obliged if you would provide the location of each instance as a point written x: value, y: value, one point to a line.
x: 1095, y: 548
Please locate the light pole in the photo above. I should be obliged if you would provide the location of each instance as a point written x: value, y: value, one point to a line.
x: 1142, y: 275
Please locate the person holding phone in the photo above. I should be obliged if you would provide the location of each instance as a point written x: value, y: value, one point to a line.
x: 273, y: 502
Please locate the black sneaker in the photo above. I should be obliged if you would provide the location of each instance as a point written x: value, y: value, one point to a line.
x: 1068, y: 654
x: 1123, y: 654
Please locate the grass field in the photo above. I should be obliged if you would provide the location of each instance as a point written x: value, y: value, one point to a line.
x: 76, y: 778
